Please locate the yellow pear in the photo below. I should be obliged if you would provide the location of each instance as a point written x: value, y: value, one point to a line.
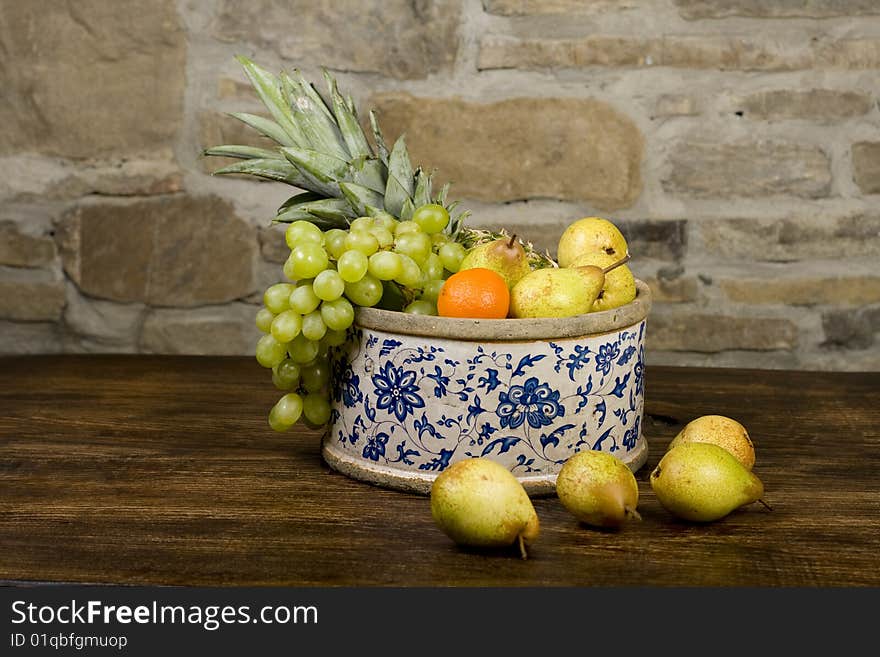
x: 480, y: 503
x: 722, y: 431
x: 598, y: 488
x: 587, y: 235
x: 505, y: 256
x: 619, y: 288
x: 559, y: 291
x: 703, y: 482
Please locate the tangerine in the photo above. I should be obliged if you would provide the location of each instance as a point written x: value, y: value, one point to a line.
x: 476, y: 293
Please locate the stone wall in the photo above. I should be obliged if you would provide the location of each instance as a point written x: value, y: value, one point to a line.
x: 735, y: 142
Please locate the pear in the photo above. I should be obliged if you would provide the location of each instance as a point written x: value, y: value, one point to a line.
x: 559, y: 291
x: 587, y: 235
x: 599, y: 489
x: 722, y: 431
x: 478, y: 502
x: 620, y: 284
x: 504, y: 256
x: 703, y: 482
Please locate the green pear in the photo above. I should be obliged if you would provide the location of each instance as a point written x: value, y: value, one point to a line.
x: 587, y: 235
x: 478, y: 502
x: 599, y: 489
x: 703, y: 482
x: 722, y: 431
x: 505, y: 256
x: 620, y: 284
x: 559, y: 291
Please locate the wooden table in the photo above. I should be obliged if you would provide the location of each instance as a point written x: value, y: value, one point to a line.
x: 162, y: 470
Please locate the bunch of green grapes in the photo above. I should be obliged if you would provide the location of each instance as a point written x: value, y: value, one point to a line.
x: 402, y: 264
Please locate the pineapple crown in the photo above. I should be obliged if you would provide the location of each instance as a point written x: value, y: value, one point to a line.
x: 323, y: 150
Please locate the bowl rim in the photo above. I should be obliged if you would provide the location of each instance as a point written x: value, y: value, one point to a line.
x: 501, y: 330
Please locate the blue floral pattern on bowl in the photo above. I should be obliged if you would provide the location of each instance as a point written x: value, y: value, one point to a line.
x: 413, y: 404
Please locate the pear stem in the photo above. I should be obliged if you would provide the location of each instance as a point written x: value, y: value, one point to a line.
x: 522, y: 547
x: 769, y: 508
x: 614, y: 265
x: 512, y: 240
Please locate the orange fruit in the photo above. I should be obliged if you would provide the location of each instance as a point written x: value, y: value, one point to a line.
x: 477, y: 293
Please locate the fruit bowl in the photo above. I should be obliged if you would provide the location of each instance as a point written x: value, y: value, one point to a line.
x: 412, y: 394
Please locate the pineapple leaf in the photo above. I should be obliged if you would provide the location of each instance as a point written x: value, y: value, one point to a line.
x: 399, y: 165
x: 313, y: 117
x: 325, y: 168
x: 243, y: 152
x: 269, y: 91
x: 320, y: 103
x: 399, y: 187
x: 336, y: 209
x: 380, y: 140
x: 368, y: 172
x: 326, y: 223
x: 422, y: 194
x: 456, y: 226
x: 303, y: 197
x: 444, y: 192
x: 407, y: 210
x: 278, y: 170
x: 347, y: 121
x: 265, y: 126
x: 374, y: 211
x: 360, y: 197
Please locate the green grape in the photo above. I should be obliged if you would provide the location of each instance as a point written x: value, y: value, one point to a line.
x: 361, y: 223
x: 276, y: 297
x: 438, y: 240
x: 302, y: 350
x: 410, y: 273
x: 303, y: 299
x: 316, y: 408
x: 408, y: 226
x: 421, y: 307
x: 366, y: 292
x: 337, y: 314
x: 264, y: 319
x: 352, y: 265
x: 431, y: 217
x: 385, y: 265
x: 285, y: 375
x: 313, y: 326
x: 334, y: 337
x: 287, y: 269
x: 286, y: 412
x: 451, y: 254
x: 309, y: 260
x: 269, y: 351
x: 301, y: 232
x: 416, y: 245
x: 315, y: 376
x: 334, y: 242
x: 361, y: 240
x: 385, y: 220
x: 431, y: 290
x: 433, y: 267
x: 383, y: 236
x: 286, y: 326
x: 328, y: 285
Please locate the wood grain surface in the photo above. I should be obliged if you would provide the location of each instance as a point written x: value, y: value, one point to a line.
x: 124, y: 469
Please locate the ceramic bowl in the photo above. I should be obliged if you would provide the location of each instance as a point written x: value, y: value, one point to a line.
x: 414, y: 393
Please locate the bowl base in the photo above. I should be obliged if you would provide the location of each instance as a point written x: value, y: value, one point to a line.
x: 420, y: 482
